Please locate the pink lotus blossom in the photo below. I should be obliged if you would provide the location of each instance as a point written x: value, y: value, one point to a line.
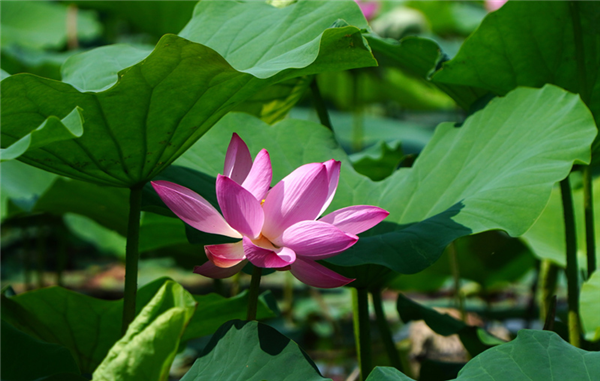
x: 494, y: 5
x: 277, y: 227
x: 368, y: 8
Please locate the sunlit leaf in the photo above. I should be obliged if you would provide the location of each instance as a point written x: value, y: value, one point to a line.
x: 531, y: 43
x: 148, y: 348
x: 463, y: 182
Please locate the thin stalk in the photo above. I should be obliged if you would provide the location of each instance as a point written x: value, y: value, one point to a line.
x: 550, y: 315
x: 584, y: 92
x: 547, y: 287
x: 320, y: 105
x: 572, y: 276
x: 72, y: 41
x: 384, y: 331
x: 362, y: 330
x: 253, y: 294
x: 218, y: 286
x: 132, y: 256
x: 454, y: 268
x: 588, y: 207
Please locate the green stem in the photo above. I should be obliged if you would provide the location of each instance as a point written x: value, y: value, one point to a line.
x: 384, y: 331
x: 362, y: 330
x: 588, y: 207
x: 587, y: 176
x: 579, y: 51
x: 26, y: 257
x: 547, y: 286
x: 132, y: 256
x: 253, y: 294
x: 572, y: 277
x: 320, y: 105
x: 454, y: 268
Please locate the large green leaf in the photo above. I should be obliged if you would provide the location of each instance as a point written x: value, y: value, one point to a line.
x: 496, y: 171
x: 26, y: 358
x: 530, y: 43
x: 162, y: 105
x: 590, y: 308
x: 42, y: 24
x: 468, y: 179
x: 89, y: 327
x: 546, y: 238
x: 475, y: 339
x: 151, y: 341
x: 533, y: 356
x: 252, y: 351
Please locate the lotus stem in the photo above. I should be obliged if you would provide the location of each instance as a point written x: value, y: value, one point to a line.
x: 584, y: 93
x: 132, y: 256
x: 320, y: 104
x: 588, y: 206
x: 253, y: 293
x: 572, y: 276
x: 547, y: 279
x: 362, y: 330
x: 384, y: 331
x: 61, y: 255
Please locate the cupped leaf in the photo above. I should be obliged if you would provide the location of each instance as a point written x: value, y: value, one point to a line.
x: 475, y: 339
x: 546, y: 236
x: 162, y: 105
x: 151, y: 341
x: 496, y: 171
x: 590, y: 308
x: 252, y: 351
x: 89, y: 327
x: 533, y: 356
x: 50, y: 131
x: 26, y: 358
x: 262, y: 40
x: 531, y: 44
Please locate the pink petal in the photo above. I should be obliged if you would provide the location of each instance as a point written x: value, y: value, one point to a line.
x: 316, y: 275
x: 237, y: 160
x: 316, y: 239
x: 240, y: 208
x: 267, y: 258
x: 356, y: 219
x: 193, y: 209
x: 225, y: 255
x: 260, y: 176
x: 493, y: 5
x: 333, y: 175
x: 298, y: 197
x: 210, y: 270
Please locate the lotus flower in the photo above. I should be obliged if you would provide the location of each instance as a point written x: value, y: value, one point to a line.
x: 278, y: 227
